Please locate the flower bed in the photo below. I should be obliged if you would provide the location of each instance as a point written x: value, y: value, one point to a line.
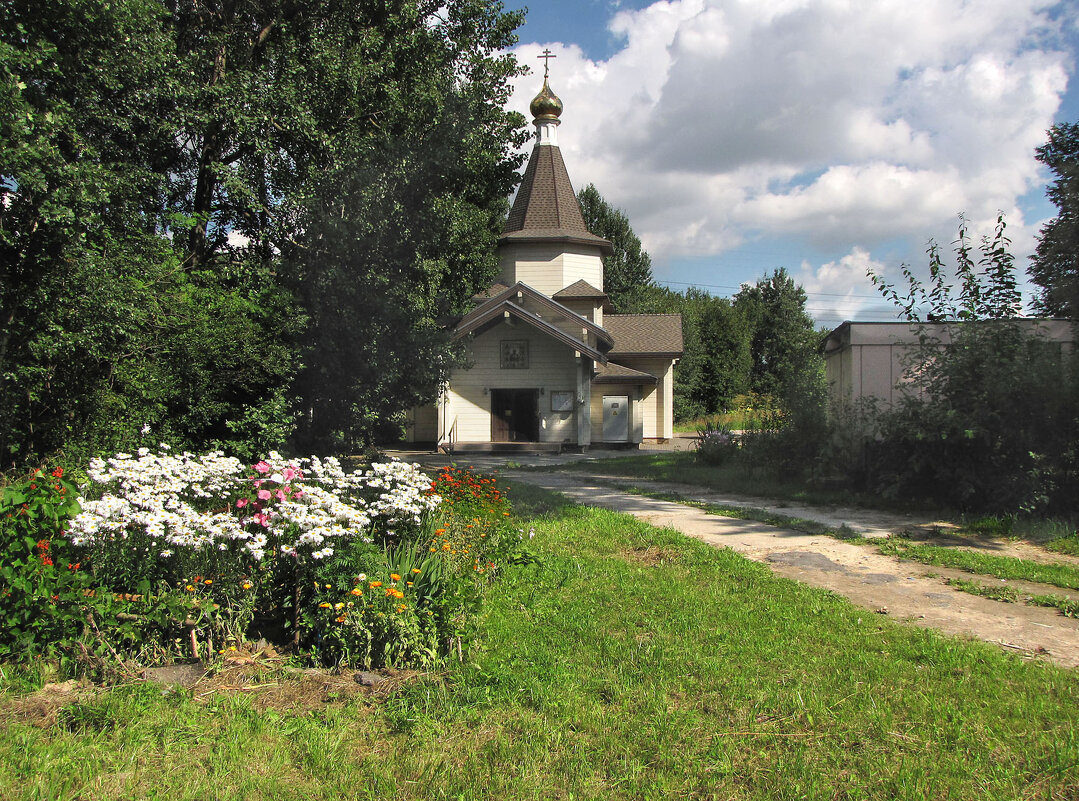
x: 165, y: 556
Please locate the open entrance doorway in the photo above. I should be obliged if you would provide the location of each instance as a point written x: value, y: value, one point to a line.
x: 514, y: 415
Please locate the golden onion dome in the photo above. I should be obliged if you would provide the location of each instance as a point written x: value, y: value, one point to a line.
x: 546, y: 105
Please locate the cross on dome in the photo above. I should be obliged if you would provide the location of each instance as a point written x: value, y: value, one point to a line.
x: 547, y: 56
x: 546, y: 107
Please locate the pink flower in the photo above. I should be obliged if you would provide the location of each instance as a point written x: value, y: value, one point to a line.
x: 263, y: 467
x: 258, y: 483
x: 289, y: 473
x: 264, y: 495
x: 240, y: 504
x: 297, y: 493
x: 280, y: 495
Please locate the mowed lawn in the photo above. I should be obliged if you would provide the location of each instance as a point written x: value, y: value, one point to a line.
x: 627, y: 662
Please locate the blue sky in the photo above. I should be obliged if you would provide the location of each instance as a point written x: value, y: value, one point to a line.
x: 824, y: 136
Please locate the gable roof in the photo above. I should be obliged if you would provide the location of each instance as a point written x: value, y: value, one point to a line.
x: 546, y: 206
x: 579, y: 289
x: 645, y: 334
x: 603, y: 338
x: 499, y: 310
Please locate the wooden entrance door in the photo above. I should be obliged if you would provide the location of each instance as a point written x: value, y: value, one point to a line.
x: 514, y: 415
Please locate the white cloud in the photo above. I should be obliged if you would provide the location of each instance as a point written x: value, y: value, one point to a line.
x: 843, y: 123
x: 840, y: 290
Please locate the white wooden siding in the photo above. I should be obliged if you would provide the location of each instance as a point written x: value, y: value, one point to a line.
x: 547, y: 268
x: 552, y: 367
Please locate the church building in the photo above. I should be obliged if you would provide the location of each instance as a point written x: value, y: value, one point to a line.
x: 552, y: 365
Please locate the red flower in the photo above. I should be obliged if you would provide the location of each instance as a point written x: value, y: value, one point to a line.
x: 58, y: 472
x: 46, y: 561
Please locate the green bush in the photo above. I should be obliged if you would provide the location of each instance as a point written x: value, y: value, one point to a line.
x: 716, y: 445
x: 991, y: 424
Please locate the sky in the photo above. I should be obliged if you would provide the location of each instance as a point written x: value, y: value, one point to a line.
x: 828, y: 137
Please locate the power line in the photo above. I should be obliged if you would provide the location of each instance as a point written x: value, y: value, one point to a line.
x: 729, y: 286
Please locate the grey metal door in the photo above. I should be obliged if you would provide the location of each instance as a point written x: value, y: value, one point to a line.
x: 616, y: 418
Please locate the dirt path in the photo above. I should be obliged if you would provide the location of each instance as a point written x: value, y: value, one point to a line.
x: 869, y: 523
x: 881, y: 584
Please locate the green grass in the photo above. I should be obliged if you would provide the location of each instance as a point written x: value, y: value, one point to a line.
x: 738, y: 420
x: 1009, y: 594
x: 1004, y: 567
x: 629, y: 663
x: 1068, y: 544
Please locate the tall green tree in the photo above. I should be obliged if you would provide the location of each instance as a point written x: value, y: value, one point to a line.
x: 783, y: 341
x: 628, y: 270
x: 399, y: 228
x: 107, y: 324
x: 726, y: 359
x: 1055, y: 265
x: 187, y: 185
x: 716, y: 363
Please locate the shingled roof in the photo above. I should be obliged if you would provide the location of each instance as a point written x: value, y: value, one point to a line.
x: 579, y: 289
x: 644, y: 334
x: 546, y: 206
x: 497, y: 288
x: 612, y: 373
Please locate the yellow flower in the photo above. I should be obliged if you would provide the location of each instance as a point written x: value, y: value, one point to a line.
x: 208, y: 582
x: 375, y: 584
x: 433, y: 550
x: 247, y: 585
x: 416, y: 570
x: 340, y: 619
x: 394, y: 577
x: 189, y: 588
x: 408, y: 583
x: 339, y: 606
x: 327, y: 586
x: 356, y: 591
x: 323, y: 605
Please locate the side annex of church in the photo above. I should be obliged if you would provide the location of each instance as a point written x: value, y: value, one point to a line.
x: 551, y: 363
